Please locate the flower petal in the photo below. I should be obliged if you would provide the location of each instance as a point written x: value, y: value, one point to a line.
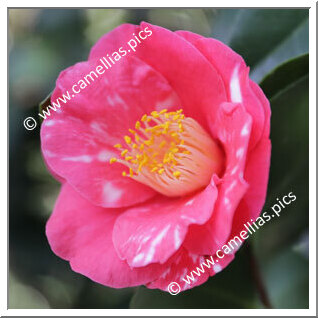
x: 77, y: 141
x: 153, y: 232
x: 234, y: 125
x: 181, y: 266
x: 235, y: 75
x: 81, y: 233
x: 193, y: 78
x: 113, y: 40
x: 256, y: 175
x: 188, y: 271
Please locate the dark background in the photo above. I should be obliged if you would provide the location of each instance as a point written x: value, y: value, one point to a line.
x: 43, y: 42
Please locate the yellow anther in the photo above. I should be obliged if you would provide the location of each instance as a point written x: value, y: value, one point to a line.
x: 180, y: 127
x: 127, y: 139
x: 166, y: 127
x: 157, y: 145
x: 143, y: 162
x: 148, y: 142
x: 137, y: 125
x: 155, y: 114
x: 177, y: 174
x: 166, y: 158
x: 162, y: 144
x: 149, y: 150
x: 112, y: 160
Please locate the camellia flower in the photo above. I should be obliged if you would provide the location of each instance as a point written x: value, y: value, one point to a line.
x: 162, y: 159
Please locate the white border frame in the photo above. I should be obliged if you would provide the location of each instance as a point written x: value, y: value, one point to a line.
x: 312, y: 162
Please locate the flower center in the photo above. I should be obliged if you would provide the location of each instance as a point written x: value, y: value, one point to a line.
x: 170, y: 153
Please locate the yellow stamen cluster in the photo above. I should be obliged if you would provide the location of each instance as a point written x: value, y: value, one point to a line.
x: 167, y: 149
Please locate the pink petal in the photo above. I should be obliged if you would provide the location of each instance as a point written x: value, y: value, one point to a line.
x: 152, y: 232
x: 182, y: 265
x: 77, y: 141
x: 113, y: 40
x: 235, y: 75
x: 81, y: 233
x: 265, y: 103
x: 193, y: 78
x: 188, y: 271
x: 256, y: 174
x: 234, y: 125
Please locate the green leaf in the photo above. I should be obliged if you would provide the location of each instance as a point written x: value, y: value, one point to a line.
x: 264, y: 37
x: 289, y: 170
x: 284, y: 75
x: 231, y: 288
x: 284, y: 268
x: 287, y: 280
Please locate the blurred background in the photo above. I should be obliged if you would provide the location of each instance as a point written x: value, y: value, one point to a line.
x: 274, y: 43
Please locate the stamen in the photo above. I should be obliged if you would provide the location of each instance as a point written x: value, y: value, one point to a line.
x: 171, y: 153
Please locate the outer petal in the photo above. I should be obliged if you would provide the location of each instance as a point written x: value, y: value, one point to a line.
x: 256, y: 174
x: 235, y: 75
x: 265, y: 103
x: 258, y: 159
x: 82, y: 234
x: 153, y: 232
x: 113, y: 40
x: 184, y: 262
x: 77, y: 141
x: 194, y: 79
x: 234, y: 130
x: 188, y: 271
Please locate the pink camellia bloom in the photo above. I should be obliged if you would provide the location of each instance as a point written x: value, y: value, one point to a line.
x: 162, y: 159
